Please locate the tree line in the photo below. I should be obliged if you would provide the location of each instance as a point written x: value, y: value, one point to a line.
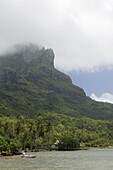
x: 42, y: 132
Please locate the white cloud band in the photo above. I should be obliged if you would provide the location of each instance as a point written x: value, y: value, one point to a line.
x: 105, y: 97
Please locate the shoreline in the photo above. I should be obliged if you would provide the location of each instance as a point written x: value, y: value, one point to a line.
x: 42, y: 151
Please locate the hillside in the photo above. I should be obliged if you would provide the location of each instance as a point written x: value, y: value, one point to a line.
x: 29, y: 84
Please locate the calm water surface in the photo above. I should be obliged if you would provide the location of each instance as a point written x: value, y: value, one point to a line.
x: 98, y: 159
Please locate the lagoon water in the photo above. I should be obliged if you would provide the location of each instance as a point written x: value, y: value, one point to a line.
x: 97, y: 159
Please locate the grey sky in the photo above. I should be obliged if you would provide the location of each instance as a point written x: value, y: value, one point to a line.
x: 79, y: 31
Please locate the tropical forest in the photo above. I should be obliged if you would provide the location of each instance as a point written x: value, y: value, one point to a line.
x: 41, y: 109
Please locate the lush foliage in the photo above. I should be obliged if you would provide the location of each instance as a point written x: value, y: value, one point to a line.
x: 29, y: 80
x: 29, y: 84
x: 44, y: 130
x: 68, y: 142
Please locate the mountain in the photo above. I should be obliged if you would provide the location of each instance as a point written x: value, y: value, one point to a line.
x: 29, y: 84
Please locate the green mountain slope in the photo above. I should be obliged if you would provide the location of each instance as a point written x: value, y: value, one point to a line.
x: 29, y: 83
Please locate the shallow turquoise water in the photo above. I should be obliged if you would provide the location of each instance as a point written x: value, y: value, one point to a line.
x: 98, y: 159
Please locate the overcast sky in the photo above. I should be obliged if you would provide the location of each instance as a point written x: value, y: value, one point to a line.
x: 79, y: 31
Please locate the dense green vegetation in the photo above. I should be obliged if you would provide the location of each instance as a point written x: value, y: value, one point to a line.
x: 29, y: 80
x: 44, y: 130
x: 29, y: 85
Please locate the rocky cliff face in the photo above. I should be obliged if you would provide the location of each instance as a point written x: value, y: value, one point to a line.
x: 20, y: 58
x: 29, y: 80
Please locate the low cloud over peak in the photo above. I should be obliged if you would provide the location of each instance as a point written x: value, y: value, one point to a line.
x: 79, y: 31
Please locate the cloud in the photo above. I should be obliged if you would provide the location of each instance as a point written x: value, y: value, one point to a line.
x: 79, y: 31
x: 105, y: 97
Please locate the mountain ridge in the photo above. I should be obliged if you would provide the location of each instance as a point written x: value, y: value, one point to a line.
x: 29, y: 83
